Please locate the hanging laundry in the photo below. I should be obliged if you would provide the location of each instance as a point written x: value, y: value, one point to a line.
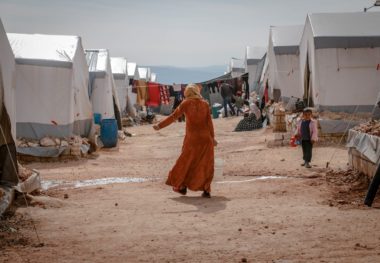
x: 165, y: 95
x: 142, y: 92
x: 177, y: 87
x: 154, y: 94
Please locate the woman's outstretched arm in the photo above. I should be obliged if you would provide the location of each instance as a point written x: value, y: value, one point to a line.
x: 172, y: 118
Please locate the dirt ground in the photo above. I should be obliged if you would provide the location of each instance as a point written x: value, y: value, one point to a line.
x: 298, y: 215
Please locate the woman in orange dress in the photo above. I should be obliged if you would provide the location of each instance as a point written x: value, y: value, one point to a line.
x: 194, y: 168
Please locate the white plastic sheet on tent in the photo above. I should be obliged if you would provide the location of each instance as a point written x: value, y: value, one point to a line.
x: 283, y: 60
x: 102, y: 87
x: 7, y: 85
x: 120, y: 75
x: 340, y: 61
x: 144, y: 73
x: 51, y: 86
x: 153, y: 77
x: 254, y: 62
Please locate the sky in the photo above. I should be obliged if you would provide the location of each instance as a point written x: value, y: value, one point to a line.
x: 181, y: 33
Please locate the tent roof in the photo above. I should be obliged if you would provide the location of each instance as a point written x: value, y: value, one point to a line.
x: 255, y: 54
x: 131, y: 68
x: 237, y: 64
x: 119, y: 65
x: 97, y: 60
x: 345, y: 30
x: 153, y: 77
x: 143, y: 73
x: 44, y: 50
x: 286, y: 39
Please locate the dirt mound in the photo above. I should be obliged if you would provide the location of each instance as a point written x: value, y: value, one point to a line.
x: 348, y: 188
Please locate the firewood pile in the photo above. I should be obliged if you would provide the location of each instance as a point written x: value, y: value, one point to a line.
x: 371, y: 127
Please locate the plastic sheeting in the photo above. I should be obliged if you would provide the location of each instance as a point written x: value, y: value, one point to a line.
x: 102, y: 86
x: 7, y: 77
x: 336, y: 126
x: 366, y: 144
x: 120, y: 74
x: 50, y: 96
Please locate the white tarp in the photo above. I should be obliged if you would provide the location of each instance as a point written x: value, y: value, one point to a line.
x: 120, y: 75
x: 366, y: 144
x: 144, y: 73
x: 51, y: 86
x: 254, y: 61
x: 340, y: 61
x: 7, y: 85
x: 283, y: 60
x: 132, y: 71
x: 102, y: 86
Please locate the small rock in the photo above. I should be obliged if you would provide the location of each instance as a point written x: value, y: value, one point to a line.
x: 282, y: 160
x: 244, y: 260
x: 240, y: 229
x: 266, y: 227
x: 116, y: 204
x: 66, y: 196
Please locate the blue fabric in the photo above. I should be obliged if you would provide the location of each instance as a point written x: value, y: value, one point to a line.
x: 305, y: 130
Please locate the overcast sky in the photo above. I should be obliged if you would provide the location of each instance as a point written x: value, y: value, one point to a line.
x: 166, y: 32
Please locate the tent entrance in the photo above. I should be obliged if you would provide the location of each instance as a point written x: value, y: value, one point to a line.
x: 308, y: 88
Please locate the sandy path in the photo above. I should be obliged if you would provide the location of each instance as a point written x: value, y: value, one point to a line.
x: 278, y: 220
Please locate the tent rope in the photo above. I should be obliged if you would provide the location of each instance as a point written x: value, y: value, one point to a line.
x: 23, y: 194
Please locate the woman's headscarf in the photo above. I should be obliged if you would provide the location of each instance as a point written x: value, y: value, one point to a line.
x: 192, y: 91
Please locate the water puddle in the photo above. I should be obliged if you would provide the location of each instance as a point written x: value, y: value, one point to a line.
x: 53, y: 184
x: 258, y: 178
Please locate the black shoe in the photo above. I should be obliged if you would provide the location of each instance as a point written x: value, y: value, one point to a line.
x: 206, y: 194
x: 183, y: 191
x: 303, y: 164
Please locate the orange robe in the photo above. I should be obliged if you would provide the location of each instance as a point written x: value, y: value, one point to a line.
x: 195, y: 166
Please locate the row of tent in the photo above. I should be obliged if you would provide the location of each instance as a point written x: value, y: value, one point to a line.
x: 51, y: 86
x: 332, y: 62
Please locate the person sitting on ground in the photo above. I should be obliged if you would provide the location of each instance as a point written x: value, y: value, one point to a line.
x: 253, y: 120
x: 307, y: 133
x: 239, y: 102
x: 194, y: 168
x: 226, y: 93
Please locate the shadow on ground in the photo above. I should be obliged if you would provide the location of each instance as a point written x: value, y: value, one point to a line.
x: 203, y: 205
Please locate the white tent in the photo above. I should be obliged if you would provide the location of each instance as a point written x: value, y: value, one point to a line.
x: 120, y: 75
x: 144, y: 73
x: 237, y: 67
x: 283, y: 61
x: 133, y: 73
x: 340, y: 61
x: 102, y: 86
x: 51, y: 86
x: 254, y: 61
x: 153, y: 77
x: 7, y: 77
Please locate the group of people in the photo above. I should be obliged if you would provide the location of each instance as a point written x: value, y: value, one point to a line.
x: 194, y: 169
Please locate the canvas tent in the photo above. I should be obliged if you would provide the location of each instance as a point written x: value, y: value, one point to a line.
x: 153, y: 77
x: 144, y: 73
x: 8, y: 174
x: 340, y: 61
x: 236, y: 67
x: 51, y: 86
x: 102, y: 89
x: 120, y: 75
x: 133, y: 74
x: 283, y: 61
x: 254, y: 62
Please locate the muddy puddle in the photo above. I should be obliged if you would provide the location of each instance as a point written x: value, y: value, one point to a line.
x: 56, y: 184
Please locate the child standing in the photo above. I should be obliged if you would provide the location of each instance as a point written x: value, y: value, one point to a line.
x: 307, y: 133
x: 239, y: 102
